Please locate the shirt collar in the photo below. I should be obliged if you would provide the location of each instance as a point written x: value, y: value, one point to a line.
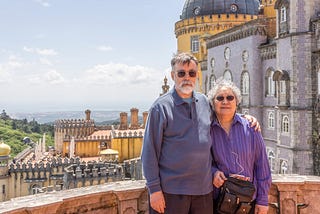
x: 178, y: 100
x: 236, y: 119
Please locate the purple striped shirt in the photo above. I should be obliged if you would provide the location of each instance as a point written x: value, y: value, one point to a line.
x: 242, y: 152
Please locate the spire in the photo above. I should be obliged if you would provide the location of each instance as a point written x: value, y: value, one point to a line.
x: 165, y: 87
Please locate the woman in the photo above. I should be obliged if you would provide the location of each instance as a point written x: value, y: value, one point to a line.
x: 238, y: 150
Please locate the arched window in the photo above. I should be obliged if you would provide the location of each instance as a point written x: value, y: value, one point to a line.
x: 245, y: 84
x: 270, y: 84
x: 285, y: 124
x: 283, y: 14
x: 271, y: 120
x: 283, y: 167
x: 282, y: 87
x: 195, y: 44
x: 282, y: 79
x: 271, y: 158
x: 227, y: 75
x: 212, y: 81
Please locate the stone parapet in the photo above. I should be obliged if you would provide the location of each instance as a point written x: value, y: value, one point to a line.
x: 289, y: 194
x: 118, y: 197
x: 294, y: 194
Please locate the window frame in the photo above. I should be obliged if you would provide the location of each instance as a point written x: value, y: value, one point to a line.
x: 271, y: 120
x: 195, y: 44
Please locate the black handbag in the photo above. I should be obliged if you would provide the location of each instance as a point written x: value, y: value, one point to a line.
x: 235, y: 197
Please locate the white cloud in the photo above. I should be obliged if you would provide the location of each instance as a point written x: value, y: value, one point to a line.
x: 26, y: 49
x: 43, y: 3
x: 46, y: 52
x: 45, y: 61
x: 121, y: 74
x: 53, y: 77
x: 104, y: 48
x: 4, y: 75
x: 42, y: 52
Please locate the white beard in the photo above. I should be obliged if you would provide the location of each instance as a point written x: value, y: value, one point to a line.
x: 186, y: 87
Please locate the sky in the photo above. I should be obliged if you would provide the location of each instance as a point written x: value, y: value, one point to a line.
x: 72, y: 55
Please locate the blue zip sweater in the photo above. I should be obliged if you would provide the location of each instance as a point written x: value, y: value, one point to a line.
x: 176, y: 154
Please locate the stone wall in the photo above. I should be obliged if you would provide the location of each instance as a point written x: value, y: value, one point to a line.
x: 289, y: 194
x: 127, y: 197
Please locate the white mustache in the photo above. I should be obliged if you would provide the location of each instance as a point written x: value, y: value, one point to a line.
x: 186, y: 82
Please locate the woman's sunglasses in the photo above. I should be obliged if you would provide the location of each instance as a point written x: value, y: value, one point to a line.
x: 221, y: 98
x: 183, y: 73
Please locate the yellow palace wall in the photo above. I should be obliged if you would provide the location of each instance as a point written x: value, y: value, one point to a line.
x: 128, y: 148
x: 204, y: 26
x: 209, y: 25
x: 83, y: 148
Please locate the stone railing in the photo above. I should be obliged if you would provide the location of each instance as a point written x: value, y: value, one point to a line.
x: 125, y: 197
x: 289, y: 194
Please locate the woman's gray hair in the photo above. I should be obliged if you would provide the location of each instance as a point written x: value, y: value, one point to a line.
x: 182, y: 58
x: 227, y: 84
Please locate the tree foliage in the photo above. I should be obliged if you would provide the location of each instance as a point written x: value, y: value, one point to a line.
x: 12, y: 132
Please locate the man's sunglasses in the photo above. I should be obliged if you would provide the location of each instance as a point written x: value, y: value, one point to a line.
x: 221, y: 98
x: 183, y: 73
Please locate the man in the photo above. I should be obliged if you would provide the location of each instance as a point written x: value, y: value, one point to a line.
x: 176, y: 156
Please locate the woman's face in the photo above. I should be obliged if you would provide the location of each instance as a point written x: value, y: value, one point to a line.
x: 225, y: 103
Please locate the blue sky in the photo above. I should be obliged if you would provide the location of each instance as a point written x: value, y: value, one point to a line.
x: 58, y: 55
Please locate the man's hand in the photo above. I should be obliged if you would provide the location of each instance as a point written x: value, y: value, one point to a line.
x: 254, y: 122
x: 157, y: 201
x: 260, y: 209
x: 218, y: 179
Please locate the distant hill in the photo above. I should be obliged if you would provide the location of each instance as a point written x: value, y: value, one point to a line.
x: 14, y: 131
x: 100, y: 117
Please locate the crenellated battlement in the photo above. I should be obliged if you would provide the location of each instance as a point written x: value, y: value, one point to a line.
x: 215, y: 22
x: 43, y: 165
x: 88, y: 138
x: 128, y: 134
x: 67, y: 173
x: 65, y: 123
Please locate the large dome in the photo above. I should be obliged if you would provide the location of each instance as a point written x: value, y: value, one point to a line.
x: 208, y: 7
x: 4, y: 149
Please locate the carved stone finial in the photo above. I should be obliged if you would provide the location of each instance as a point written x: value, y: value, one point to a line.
x: 165, y: 86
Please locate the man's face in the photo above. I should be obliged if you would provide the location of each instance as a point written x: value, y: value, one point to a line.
x: 184, y: 77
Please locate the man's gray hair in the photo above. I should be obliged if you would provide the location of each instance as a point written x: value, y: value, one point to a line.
x: 182, y: 58
x: 227, y: 84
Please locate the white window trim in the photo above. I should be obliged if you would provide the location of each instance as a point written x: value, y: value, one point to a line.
x: 285, y: 124
x: 271, y: 159
x: 227, y: 75
x: 271, y: 121
x: 195, y: 44
x: 245, y: 84
x: 271, y: 85
x: 282, y: 163
x: 282, y: 86
x: 283, y: 14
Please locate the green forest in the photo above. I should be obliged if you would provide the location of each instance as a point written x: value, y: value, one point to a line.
x: 13, y: 131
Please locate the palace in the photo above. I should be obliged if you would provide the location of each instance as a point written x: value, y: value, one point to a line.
x: 271, y: 50
x: 81, y: 137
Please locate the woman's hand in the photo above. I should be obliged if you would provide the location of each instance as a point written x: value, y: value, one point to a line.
x: 260, y: 209
x: 218, y: 179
